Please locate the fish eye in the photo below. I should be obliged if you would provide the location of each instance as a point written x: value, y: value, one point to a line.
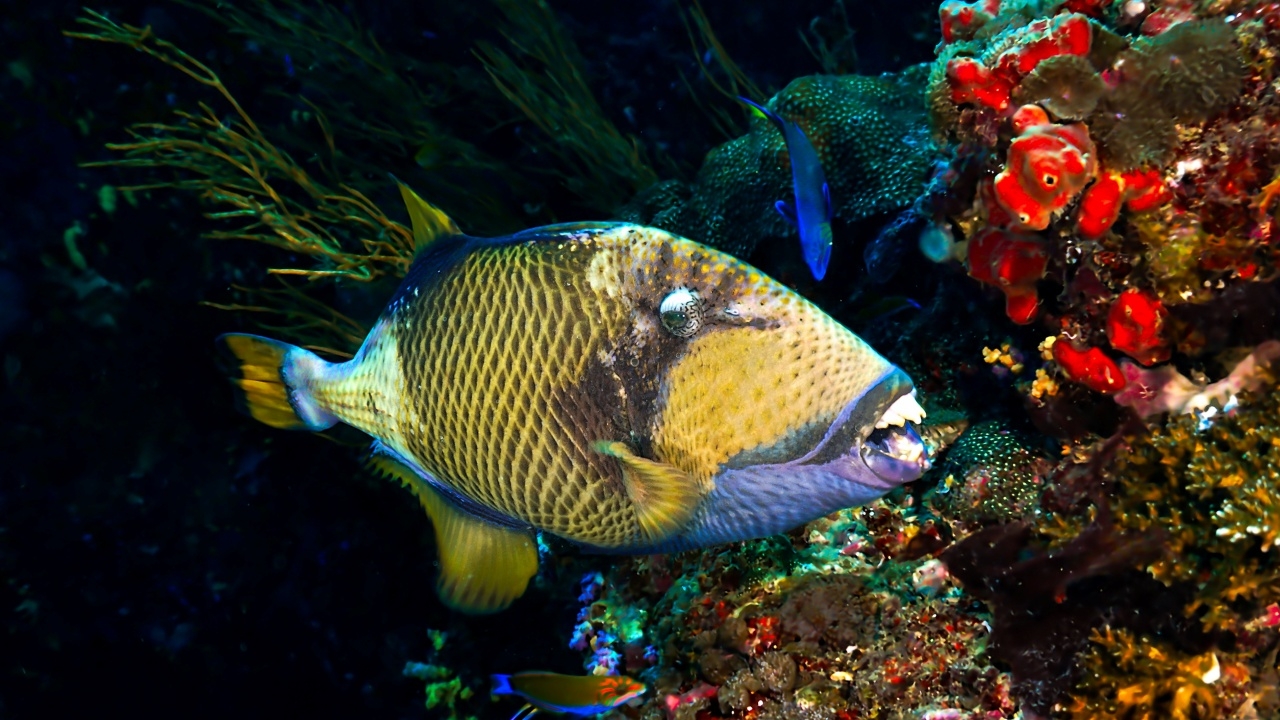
x: 681, y: 312
x: 1050, y: 180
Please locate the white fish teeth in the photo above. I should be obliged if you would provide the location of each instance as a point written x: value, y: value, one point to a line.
x: 903, y: 409
x: 890, y: 418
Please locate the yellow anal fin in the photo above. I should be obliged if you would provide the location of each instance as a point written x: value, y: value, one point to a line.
x: 665, y: 497
x: 483, y: 567
x: 429, y: 221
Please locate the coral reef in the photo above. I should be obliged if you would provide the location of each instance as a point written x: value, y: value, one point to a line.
x: 803, y: 626
x: 1097, y: 180
x: 1086, y: 180
x: 1138, y: 160
x: 991, y: 474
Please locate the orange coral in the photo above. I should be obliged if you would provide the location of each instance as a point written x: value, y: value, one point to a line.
x: 972, y: 82
x: 991, y: 84
x: 1137, y: 190
x: 960, y: 20
x: 1100, y: 206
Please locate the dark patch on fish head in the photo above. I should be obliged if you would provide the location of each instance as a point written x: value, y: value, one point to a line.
x: 759, y: 379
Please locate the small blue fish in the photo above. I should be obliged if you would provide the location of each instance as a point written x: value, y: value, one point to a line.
x: 572, y: 694
x: 812, y: 212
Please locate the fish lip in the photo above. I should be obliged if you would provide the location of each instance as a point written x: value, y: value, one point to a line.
x: 898, y: 454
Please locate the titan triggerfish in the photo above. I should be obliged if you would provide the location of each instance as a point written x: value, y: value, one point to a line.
x: 613, y: 385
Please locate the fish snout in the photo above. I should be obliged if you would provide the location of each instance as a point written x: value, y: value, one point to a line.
x: 896, y: 454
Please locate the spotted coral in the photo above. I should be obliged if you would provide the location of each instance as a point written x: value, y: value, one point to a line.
x: 871, y: 136
x: 992, y: 473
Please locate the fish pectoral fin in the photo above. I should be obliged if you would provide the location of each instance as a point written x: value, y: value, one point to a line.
x: 664, y: 496
x: 484, y: 567
x: 429, y: 221
x: 826, y: 195
x: 785, y: 210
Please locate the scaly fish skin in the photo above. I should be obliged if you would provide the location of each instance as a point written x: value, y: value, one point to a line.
x: 614, y: 385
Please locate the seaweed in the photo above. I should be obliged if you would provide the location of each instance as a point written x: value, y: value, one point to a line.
x: 390, y: 110
x: 543, y: 77
x: 735, y: 83
x: 264, y: 194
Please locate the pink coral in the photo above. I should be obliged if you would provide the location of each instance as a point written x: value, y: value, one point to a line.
x: 1164, y: 389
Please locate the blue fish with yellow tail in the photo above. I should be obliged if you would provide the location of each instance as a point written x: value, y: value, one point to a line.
x: 616, y: 386
x: 812, y: 211
x: 567, y: 694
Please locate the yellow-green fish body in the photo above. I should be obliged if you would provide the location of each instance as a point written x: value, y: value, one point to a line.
x: 614, y: 385
x: 572, y: 694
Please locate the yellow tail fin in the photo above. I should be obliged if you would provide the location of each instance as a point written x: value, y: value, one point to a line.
x: 266, y: 372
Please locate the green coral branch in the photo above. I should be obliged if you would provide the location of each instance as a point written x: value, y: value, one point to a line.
x: 542, y: 76
x: 703, y: 39
x: 372, y: 100
x: 257, y: 187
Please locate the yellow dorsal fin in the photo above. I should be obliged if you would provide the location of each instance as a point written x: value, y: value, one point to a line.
x: 664, y: 496
x: 483, y: 567
x: 429, y: 221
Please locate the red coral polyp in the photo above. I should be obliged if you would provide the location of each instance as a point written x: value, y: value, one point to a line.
x: 1137, y: 190
x: 960, y: 20
x: 1012, y: 262
x: 1066, y: 35
x: 1145, y: 190
x: 971, y: 82
x: 1136, y: 327
x: 1100, y: 206
x: 1173, y: 12
x: 992, y: 85
x: 1046, y: 168
x: 1092, y: 8
x: 1090, y: 367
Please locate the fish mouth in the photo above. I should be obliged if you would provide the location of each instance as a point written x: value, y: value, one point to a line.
x: 876, y: 437
x: 896, y: 453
